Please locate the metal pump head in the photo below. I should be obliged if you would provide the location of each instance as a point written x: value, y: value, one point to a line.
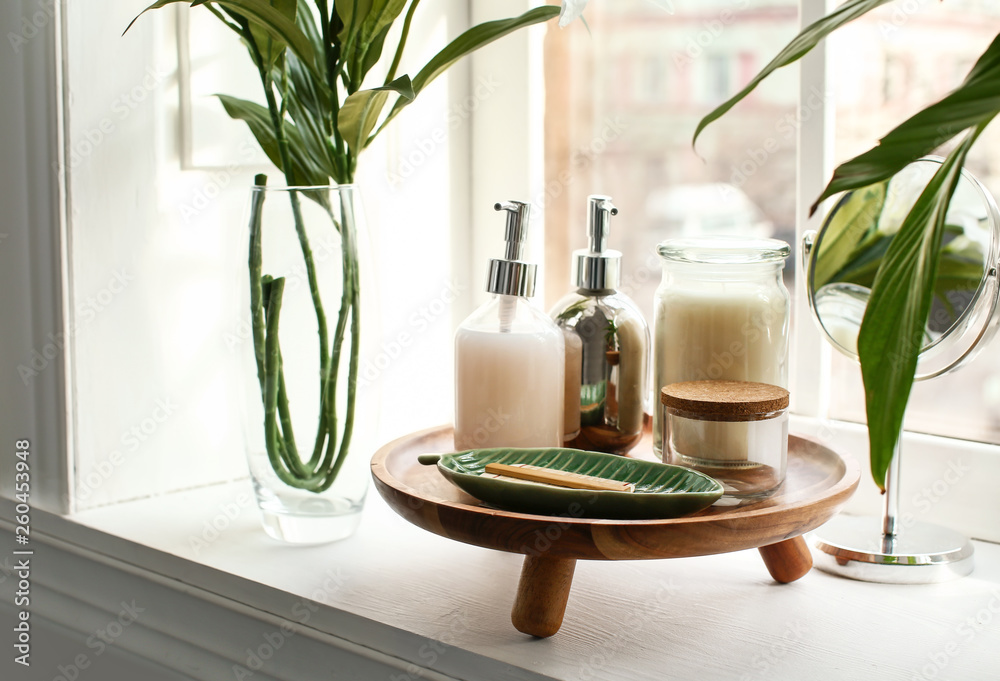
x: 517, y: 227
x: 599, y: 212
x: 509, y: 276
x: 598, y: 268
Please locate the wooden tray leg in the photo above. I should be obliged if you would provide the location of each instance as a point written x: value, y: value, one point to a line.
x: 787, y: 560
x: 542, y: 594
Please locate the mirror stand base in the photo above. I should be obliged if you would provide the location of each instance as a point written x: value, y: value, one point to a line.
x: 920, y: 553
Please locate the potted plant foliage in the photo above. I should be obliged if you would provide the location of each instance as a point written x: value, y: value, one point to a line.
x: 903, y: 288
x: 332, y: 81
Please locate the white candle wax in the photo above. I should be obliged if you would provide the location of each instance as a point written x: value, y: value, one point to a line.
x: 720, y: 330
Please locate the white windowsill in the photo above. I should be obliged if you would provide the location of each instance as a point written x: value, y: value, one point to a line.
x: 382, y: 603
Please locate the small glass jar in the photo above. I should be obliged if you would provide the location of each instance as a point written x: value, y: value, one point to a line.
x: 734, y: 431
x: 720, y: 313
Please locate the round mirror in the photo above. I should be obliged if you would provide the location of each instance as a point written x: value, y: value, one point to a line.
x: 842, y: 259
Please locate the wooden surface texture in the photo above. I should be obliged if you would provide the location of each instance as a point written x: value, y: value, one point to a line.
x: 819, y: 482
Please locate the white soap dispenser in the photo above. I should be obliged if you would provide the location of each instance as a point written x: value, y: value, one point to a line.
x: 509, y: 357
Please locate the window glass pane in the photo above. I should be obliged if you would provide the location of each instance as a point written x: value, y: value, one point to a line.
x: 622, y: 102
x: 887, y: 66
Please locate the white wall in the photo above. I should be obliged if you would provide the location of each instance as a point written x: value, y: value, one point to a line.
x: 150, y: 281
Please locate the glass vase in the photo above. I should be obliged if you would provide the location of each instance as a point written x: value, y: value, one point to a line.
x: 309, y: 420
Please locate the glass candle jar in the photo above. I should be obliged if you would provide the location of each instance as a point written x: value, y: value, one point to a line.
x: 734, y: 431
x: 721, y: 313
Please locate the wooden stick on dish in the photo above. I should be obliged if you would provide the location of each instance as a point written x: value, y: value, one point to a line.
x: 559, y: 478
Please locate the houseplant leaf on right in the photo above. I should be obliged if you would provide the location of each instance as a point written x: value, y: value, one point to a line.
x: 903, y: 288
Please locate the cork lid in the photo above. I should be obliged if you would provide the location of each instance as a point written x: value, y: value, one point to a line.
x: 725, y: 400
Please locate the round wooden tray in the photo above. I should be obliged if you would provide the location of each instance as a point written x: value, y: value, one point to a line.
x: 818, y: 483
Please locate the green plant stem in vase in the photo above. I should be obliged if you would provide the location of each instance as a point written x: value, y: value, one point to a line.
x: 316, y: 61
x: 319, y: 472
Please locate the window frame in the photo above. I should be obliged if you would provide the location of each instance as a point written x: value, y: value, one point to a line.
x: 810, y: 353
x: 37, y: 407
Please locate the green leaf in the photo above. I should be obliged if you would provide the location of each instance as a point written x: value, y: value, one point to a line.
x: 258, y: 120
x: 864, y: 263
x: 351, y: 14
x: 238, y: 30
x: 336, y: 26
x: 374, y: 51
x: 361, y: 110
x: 477, y: 37
x: 892, y: 332
x: 960, y: 272
x: 346, y: 12
x: 314, y: 142
x: 903, y: 289
x: 277, y: 24
x: 301, y: 75
x: 795, y: 50
x: 963, y: 258
x: 975, y: 100
x: 470, y: 41
x: 379, y: 18
x: 261, y: 13
x: 304, y: 89
x: 272, y: 47
x: 404, y: 34
x: 363, y: 39
x: 856, y: 218
x: 155, y: 5
x: 304, y: 170
x: 308, y: 105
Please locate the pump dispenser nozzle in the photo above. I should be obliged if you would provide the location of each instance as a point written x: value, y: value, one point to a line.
x: 597, y: 268
x: 599, y: 212
x: 509, y: 276
x: 517, y: 227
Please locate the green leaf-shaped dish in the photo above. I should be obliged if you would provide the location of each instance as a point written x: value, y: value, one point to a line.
x: 661, y: 490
